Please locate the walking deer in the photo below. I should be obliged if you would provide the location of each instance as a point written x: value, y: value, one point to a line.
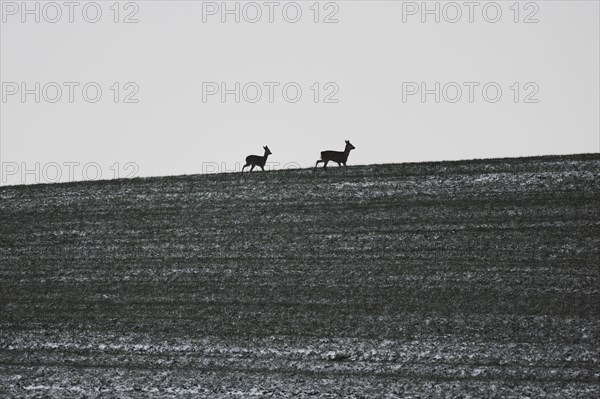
x: 338, y: 157
x: 257, y: 160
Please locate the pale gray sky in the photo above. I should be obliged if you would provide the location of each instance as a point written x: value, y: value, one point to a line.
x: 371, y: 56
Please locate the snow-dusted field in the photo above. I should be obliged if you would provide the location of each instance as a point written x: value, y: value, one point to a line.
x: 455, y: 279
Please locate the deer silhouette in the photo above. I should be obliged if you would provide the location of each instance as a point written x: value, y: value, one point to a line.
x: 339, y: 157
x: 257, y: 160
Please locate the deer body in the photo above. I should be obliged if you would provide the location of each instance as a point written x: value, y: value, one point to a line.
x: 339, y: 157
x: 257, y: 160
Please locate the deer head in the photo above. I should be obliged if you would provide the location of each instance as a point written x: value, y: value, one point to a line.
x: 267, y: 151
x: 349, y: 146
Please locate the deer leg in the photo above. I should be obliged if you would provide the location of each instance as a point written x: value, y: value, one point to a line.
x: 325, y: 164
x: 339, y: 163
x: 315, y: 168
x: 252, y: 168
x: 262, y: 167
x: 243, y: 167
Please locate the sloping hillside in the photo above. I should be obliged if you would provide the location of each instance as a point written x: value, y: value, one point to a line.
x: 434, y: 279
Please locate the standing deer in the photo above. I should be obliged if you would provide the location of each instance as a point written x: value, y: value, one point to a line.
x: 257, y: 160
x: 336, y: 156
